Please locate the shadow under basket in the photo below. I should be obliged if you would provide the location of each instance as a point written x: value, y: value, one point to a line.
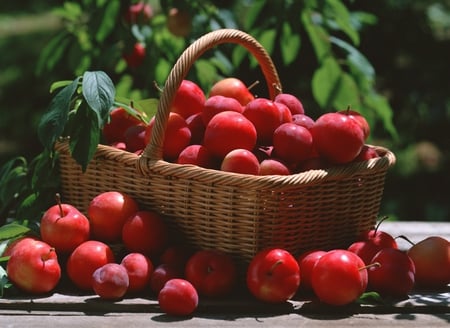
x: 236, y: 213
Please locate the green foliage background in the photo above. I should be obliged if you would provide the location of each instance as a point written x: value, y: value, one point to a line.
x: 388, y: 59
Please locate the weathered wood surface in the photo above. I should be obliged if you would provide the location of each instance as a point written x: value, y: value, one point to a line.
x: 421, y: 308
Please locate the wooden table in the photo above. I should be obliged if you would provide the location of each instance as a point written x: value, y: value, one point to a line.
x: 67, y: 309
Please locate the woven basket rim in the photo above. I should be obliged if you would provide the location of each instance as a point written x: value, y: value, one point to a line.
x: 147, y: 166
x: 273, y: 182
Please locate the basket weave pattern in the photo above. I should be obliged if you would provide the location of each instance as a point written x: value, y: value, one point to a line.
x: 237, y: 213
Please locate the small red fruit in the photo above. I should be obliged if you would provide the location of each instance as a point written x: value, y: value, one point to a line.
x: 306, y: 262
x: 266, y: 116
x: 197, y: 155
x: 227, y: 131
x: 178, y: 297
x: 394, y: 276
x: 120, y: 121
x: 292, y: 102
x: 177, y: 136
x: 163, y: 273
x: 240, y: 161
x: 358, y: 118
x: 303, y: 120
x: 371, y: 242
x: 337, y: 137
x: 339, y: 277
x: 108, y: 212
x: 218, y: 104
x: 273, y: 275
x: 135, y: 138
x: 234, y: 88
x: 145, y: 232
x: 85, y: 259
x: 271, y: 166
x: 188, y: 100
x: 139, y: 268
x: 366, y: 153
x: 135, y: 57
x: 139, y: 13
x: 212, y: 273
x: 64, y: 227
x: 292, y: 143
x: 33, y: 267
x: 110, y: 281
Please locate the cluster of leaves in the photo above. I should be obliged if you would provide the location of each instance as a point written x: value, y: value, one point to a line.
x: 96, y: 36
x: 79, y: 111
x: 26, y: 190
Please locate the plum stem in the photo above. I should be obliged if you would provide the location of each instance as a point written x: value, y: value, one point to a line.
x: 45, y: 257
x: 251, y: 86
x: 371, y: 265
x: 384, y: 218
x: 58, y: 201
x: 157, y: 87
x: 406, y: 238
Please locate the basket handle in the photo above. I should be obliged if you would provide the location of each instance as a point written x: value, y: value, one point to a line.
x: 154, y: 149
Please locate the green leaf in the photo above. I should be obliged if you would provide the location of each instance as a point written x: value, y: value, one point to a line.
x: 44, y: 171
x: 108, y: 20
x: 238, y: 55
x: 59, y: 84
x: 266, y: 38
x: 162, y: 70
x: 222, y: 62
x: 13, y: 180
x: 370, y: 298
x: 326, y: 81
x: 206, y: 73
x: 99, y: 93
x: 289, y: 44
x: 318, y: 36
x: 342, y: 18
x: 84, y: 136
x: 381, y: 106
x: 149, y: 106
x: 357, y: 61
x: 70, y: 11
x: 53, y: 52
x: 12, y: 230
x: 52, y: 123
x: 361, y: 18
x: 12, y: 185
x: 253, y: 13
x: 347, y: 93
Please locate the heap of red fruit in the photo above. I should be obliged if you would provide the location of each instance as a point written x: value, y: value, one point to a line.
x: 231, y: 130
x: 151, y: 262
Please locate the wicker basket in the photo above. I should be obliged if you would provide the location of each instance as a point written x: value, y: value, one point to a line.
x: 237, y: 213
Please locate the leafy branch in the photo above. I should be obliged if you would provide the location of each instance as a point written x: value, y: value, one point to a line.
x: 79, y: 111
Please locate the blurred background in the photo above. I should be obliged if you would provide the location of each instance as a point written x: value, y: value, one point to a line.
x: 389, y: 59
